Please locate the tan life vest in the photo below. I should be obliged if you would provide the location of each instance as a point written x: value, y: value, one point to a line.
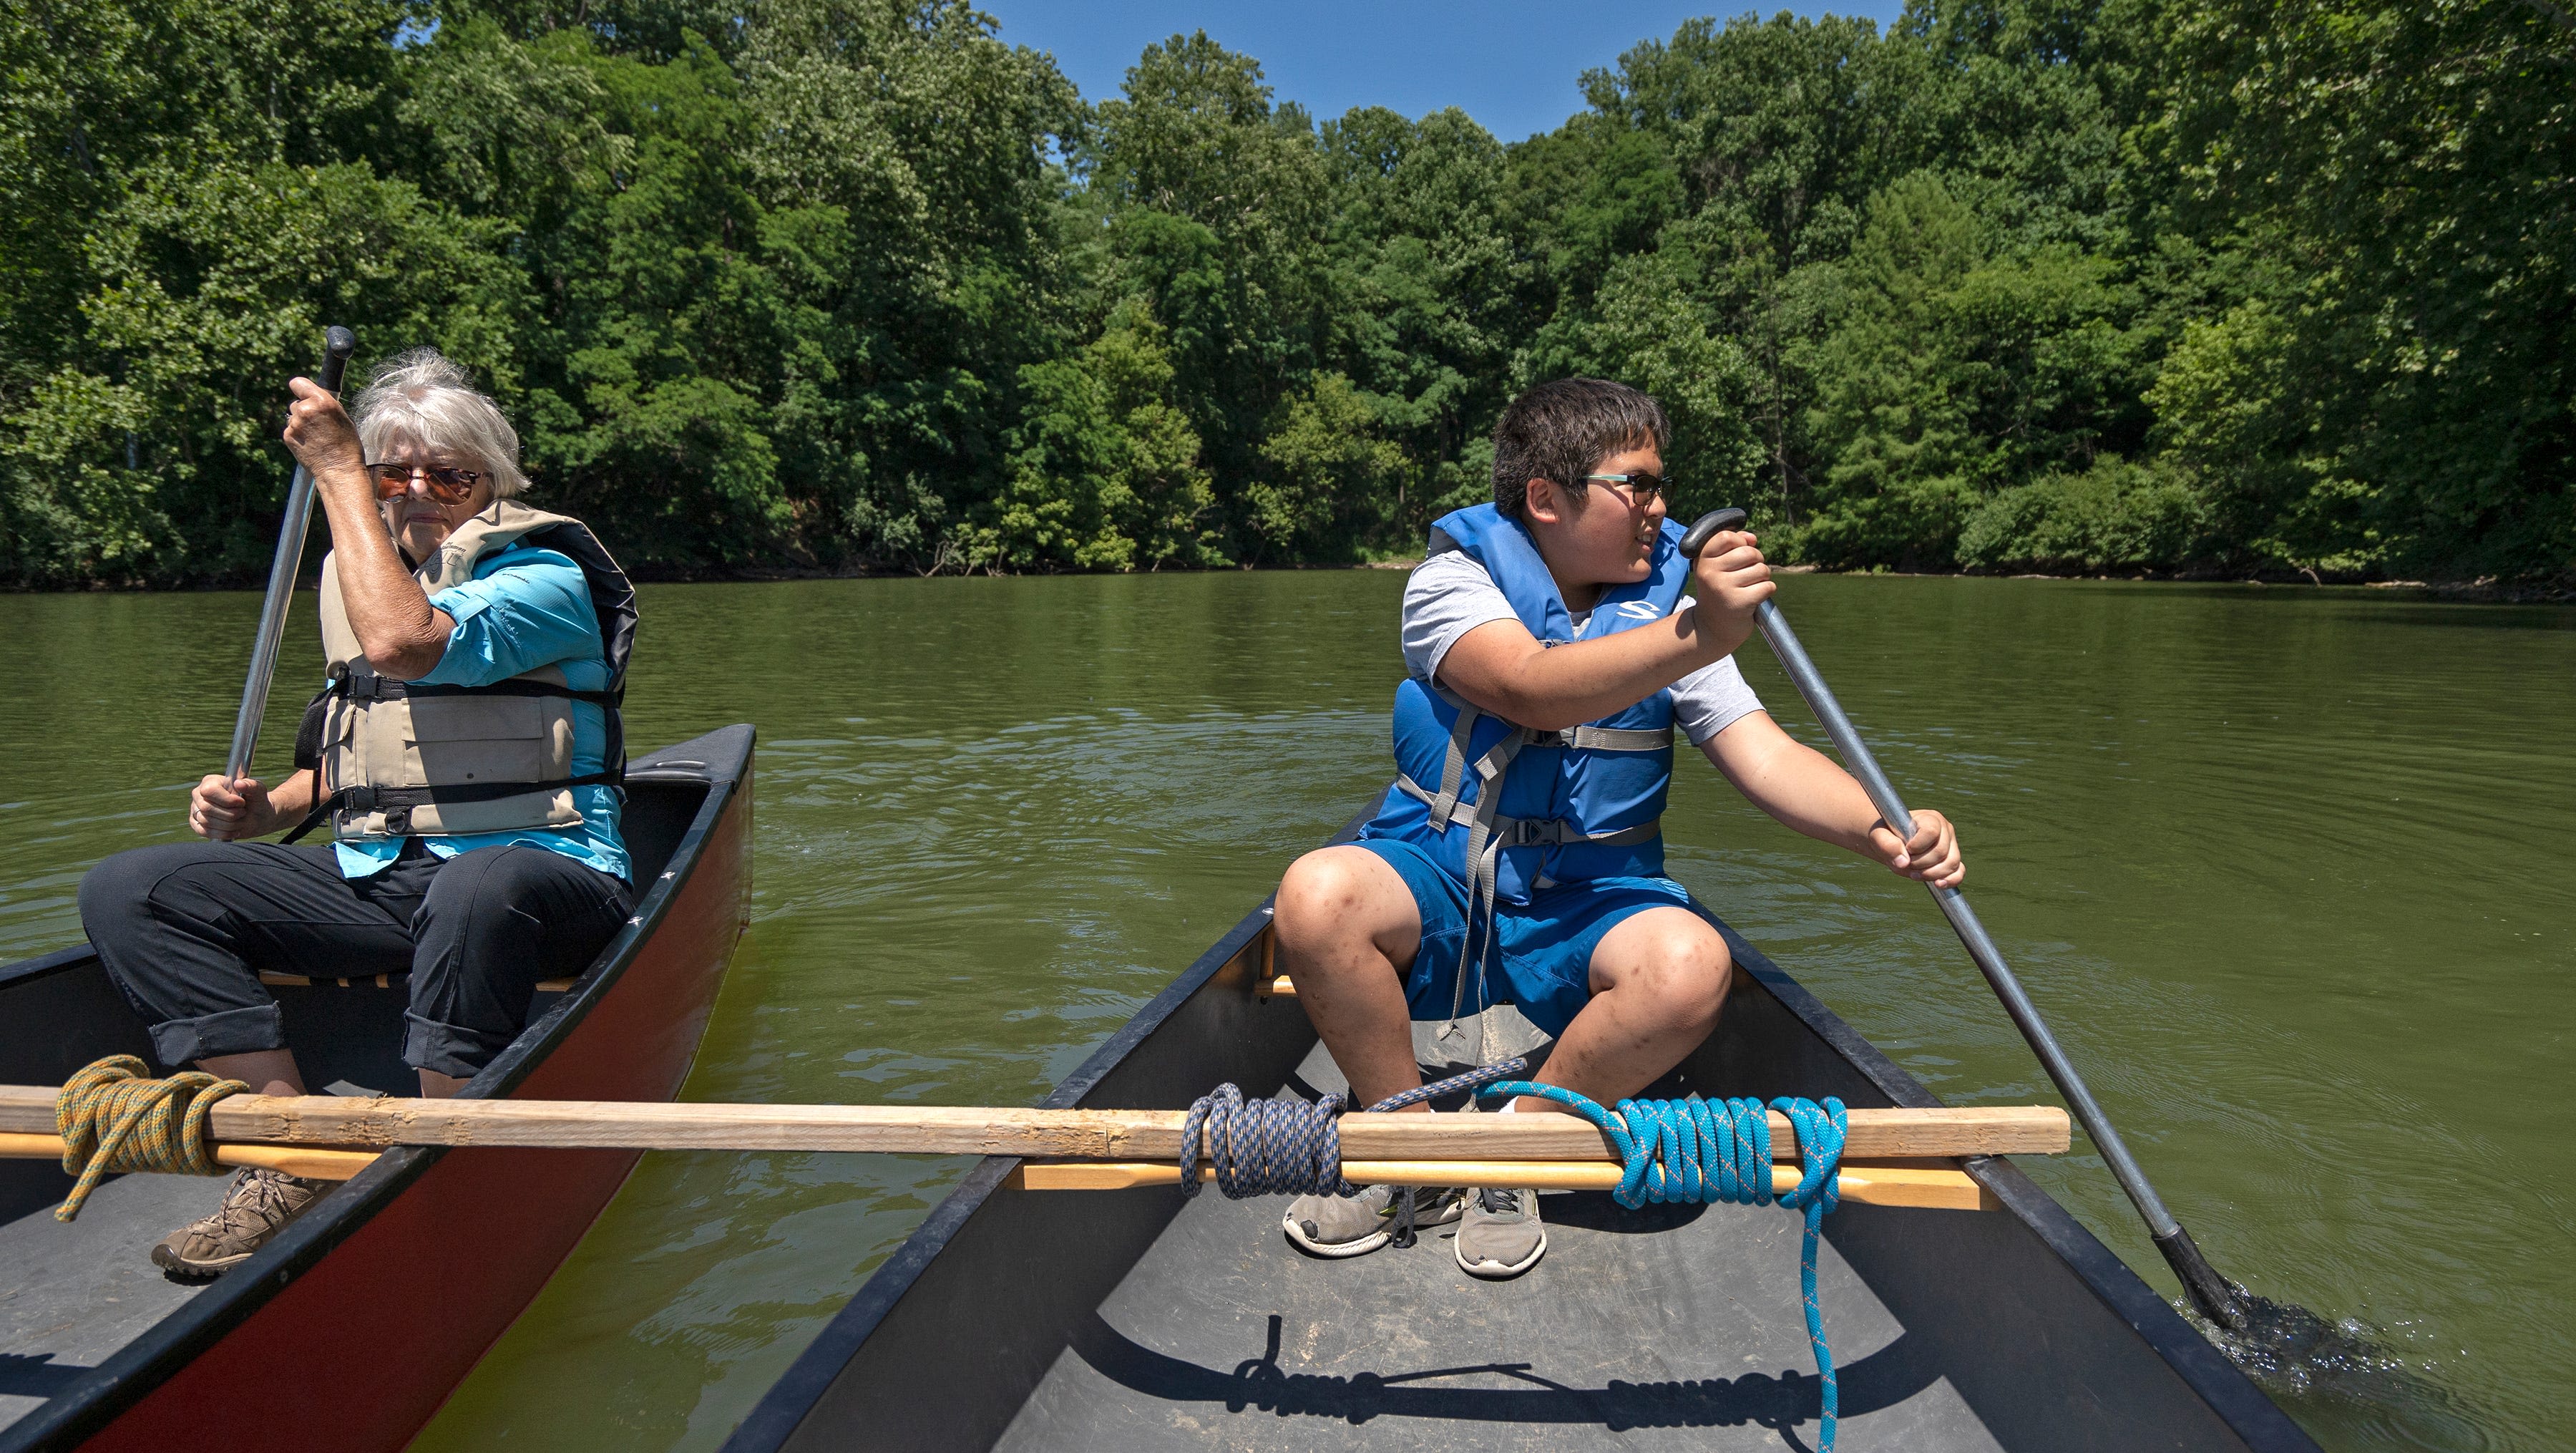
x: 400, y: 759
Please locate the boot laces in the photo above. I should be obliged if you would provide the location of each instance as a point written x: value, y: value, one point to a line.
x: 257, y: 1199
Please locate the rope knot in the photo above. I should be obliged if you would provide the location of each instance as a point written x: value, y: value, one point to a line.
x: 1290, y: 1147
x: 114, y: 1119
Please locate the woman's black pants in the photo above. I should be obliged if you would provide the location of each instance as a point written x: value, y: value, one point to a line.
x: 185, y: 929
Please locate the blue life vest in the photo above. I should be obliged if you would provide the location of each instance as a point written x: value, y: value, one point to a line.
x: 1508, y: 810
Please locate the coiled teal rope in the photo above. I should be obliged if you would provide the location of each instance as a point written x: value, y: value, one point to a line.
x: 1720, y: 1150
x: 113, y: 1118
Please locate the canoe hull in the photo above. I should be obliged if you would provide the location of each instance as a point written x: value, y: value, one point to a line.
x: 1047, y: 1319
x: 361, y: 1323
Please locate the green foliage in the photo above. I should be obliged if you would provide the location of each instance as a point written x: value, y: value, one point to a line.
x: 1330, y: 473
x: 1104, y: 466
x: 2414, y: 163
x: 2113, y: 516
x: 2222, y: 285
x: 1949, y: 373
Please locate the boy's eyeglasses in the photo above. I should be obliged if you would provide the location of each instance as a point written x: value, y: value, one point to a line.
x: 447, y: 486
x: 1641, y: 489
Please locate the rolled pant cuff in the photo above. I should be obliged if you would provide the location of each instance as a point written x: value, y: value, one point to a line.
x: 450, y: 1049
x: 234, y: 1031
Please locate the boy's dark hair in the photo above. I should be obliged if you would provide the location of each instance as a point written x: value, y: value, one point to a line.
x: 1562, y: 430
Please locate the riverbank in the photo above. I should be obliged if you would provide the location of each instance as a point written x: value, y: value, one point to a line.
x: 2487, y: 590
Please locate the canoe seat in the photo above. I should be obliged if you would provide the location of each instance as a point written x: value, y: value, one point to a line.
x: 383, y: 981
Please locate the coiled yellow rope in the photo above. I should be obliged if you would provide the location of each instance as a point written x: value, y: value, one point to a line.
x: 114, y: 1119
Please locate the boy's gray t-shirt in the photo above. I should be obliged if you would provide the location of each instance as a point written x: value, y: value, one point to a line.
x: 1450, y: 595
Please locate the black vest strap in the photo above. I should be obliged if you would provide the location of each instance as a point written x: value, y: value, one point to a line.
x: 397, y: 802
x: 371, y: 687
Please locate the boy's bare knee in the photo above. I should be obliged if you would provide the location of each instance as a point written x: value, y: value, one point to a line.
x: 1685, y: 970
x: 1327, y: 893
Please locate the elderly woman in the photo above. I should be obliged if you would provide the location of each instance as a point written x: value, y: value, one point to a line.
x: 465, y: 755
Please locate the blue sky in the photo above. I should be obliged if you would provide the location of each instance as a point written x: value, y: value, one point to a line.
x: 1511, y: 64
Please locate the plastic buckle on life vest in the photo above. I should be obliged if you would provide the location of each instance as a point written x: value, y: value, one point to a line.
x: 398, y: 821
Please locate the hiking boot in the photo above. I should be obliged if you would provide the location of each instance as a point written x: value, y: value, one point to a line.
x: 1501, y: 1235
x: 1356, y: 1225
x: 257, y: 1205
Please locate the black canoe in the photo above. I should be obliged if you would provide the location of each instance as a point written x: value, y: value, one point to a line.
x: 1137, y: 1320
x: 348, y: 1330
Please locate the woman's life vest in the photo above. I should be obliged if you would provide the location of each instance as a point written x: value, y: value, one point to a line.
x: 402, y: 759
x: 1508, y: 810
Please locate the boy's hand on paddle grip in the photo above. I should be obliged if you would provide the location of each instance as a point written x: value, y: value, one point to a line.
x: 1730, y: 579
x: 1932, y: 855
x: 225, y: 808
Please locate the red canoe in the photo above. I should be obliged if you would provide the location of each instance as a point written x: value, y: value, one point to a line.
x: 349, y: 1330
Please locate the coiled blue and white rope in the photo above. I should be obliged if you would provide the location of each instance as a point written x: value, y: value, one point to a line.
x: 1720, y: 1150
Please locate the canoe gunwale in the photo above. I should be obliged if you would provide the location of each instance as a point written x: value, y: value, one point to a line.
x: 131, y: 1373
x: 2221, y: 1386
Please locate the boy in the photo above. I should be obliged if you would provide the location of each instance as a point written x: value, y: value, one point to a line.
x: 1517, y: 859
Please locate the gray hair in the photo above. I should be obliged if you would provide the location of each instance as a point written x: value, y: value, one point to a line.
x: 422, y: 395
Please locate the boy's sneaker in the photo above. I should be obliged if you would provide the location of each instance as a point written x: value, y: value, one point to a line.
x: 1501, y: 1235
x: 257, y: 1205
x: 1356, y: 1225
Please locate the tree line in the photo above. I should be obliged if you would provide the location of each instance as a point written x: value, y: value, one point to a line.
x: 2188, y: 286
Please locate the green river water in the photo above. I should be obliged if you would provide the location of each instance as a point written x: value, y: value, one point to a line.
x: 2284, y: 867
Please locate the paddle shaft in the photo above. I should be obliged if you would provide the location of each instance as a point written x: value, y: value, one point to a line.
x: 338, y: 344
x: 947, y: 1130
x: 2214, y: 1294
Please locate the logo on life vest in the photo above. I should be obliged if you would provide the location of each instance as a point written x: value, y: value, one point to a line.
x: 1640, y: 610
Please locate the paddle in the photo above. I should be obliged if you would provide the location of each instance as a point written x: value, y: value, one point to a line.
x: 337, y: 344
x: 2219, y: 1299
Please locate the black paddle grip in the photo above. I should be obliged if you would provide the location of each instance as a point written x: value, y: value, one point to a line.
x: 1697, y: 537
x: 337, y: 344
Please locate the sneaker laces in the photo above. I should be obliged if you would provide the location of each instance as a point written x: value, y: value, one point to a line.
x: 256, y: 1199
x: 1499, y: 1200
x: 1403, y: 1237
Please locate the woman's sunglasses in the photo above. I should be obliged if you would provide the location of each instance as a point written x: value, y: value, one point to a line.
x: 1641, y: 489
x: 447, y: 486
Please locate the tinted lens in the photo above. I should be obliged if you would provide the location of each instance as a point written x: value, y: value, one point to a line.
x: 1641, y: 489
x: 445, y: 484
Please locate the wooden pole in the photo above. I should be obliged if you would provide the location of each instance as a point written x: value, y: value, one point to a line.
x: 1122, y: 1135
x: 295, y: 1160
x: 1947, y: 1190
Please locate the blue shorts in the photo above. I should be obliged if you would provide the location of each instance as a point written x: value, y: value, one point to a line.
x: 1545, y: 962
